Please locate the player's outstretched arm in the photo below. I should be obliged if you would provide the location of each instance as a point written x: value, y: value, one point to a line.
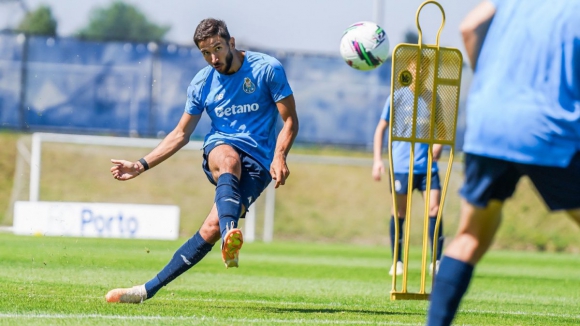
x: 125, y: 170
x: 279, y: 169
x: 474, y: 29
x: 378, y: 165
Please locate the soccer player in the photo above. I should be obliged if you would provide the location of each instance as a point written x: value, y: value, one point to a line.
x: 523, y: 118
x: 243, y: 93
x: 401, y: 157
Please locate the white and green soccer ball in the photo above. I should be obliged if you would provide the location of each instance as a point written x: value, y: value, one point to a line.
x: 364, y: 46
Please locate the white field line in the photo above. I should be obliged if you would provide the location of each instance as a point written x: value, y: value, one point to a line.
x: 199, y: 318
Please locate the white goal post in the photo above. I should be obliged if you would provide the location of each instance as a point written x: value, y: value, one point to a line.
x: 35, y: 170
x: 250, y: 222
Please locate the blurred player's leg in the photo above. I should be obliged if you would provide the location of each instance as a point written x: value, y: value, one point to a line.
x: 401, y: 198
x: 434, y: 199
x: 440, y: 238
x: 476, y: 231
x: 398, y: 267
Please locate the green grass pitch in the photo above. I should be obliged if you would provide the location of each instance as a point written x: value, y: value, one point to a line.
x: 63, y: 281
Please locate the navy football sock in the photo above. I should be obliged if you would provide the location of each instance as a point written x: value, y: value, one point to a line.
x: 432, y: 220
x: 228, y: 202
x: 450, y: 285
x: 401, y: 222
x: 189, y: 254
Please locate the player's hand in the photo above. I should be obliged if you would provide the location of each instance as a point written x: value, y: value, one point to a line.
x: 279, y: 170
x: 124, y: 170
x: 378, y: 170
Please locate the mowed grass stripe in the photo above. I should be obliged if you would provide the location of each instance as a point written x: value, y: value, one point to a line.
x: 320, y: 305
x: 278, y: 283
x: 196, y: 318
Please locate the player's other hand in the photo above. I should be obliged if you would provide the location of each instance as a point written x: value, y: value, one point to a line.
x: 378, y: 170
x: 279, y: 170
x: 124, y: 170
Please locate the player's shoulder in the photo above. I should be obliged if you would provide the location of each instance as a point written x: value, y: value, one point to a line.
x: 262, y: 60
x: 198, y: 82
x: 201, y: 76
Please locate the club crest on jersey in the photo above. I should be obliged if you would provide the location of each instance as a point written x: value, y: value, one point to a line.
x: 248, y: 86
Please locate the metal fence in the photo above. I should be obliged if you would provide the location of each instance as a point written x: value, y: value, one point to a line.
x: 116, y: 88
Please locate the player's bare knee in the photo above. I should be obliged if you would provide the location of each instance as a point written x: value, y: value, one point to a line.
x: 401, y: 213
x: 210, y: 233
x: 229, y: 164
x: 466, y: 247
x: 433, y: 210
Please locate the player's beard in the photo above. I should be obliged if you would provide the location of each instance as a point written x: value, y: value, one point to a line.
x: 229, y: 59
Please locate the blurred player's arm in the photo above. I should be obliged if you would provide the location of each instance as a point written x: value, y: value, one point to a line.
x: 437, y: 150
x: 474, y: 29
x: 174, y: 141
x: 279, y: 169
x: 378, y: 165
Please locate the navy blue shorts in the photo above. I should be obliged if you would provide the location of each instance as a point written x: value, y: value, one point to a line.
x: 489, y: 178
x: 255, y: 178
x: 419, y: 182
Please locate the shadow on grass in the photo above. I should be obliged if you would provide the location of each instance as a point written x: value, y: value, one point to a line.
x: 337, y: 311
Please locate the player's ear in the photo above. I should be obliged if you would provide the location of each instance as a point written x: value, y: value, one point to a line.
x: 232, y: 42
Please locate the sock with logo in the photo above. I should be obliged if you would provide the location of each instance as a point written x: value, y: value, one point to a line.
x: 432, y: 221
x: 401, y: 222
x: 450, y: 285
x: 189, y: 254
x: 228, y: 202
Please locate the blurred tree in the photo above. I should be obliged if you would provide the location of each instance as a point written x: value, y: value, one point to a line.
x: 38, y: 22
x: 411, y: 37
x: 121, y: 22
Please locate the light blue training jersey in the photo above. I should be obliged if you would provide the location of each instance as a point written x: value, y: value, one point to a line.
x: 524, y: 103
x: 242, y: 106
x: 401, y: 151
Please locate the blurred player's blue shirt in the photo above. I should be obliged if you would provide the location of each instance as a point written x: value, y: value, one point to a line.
x: 524, y: 105
x: 401, y: 151
x: 242, y: 106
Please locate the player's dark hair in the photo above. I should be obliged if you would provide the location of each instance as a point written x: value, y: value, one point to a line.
x: 210, y: 27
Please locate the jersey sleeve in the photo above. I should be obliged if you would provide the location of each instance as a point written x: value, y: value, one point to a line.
x: 386, y: 114
x: 572, y: 58
x: 277, y: 81
x: 194, y: 102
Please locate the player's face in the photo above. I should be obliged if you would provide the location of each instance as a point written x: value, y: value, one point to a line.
x: 411, y: 67
x: 218, y: 53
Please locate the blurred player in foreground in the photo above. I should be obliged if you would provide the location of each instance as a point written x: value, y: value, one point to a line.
x: 401, y: 157
x: 243, y: 93
x: 523, y: 118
